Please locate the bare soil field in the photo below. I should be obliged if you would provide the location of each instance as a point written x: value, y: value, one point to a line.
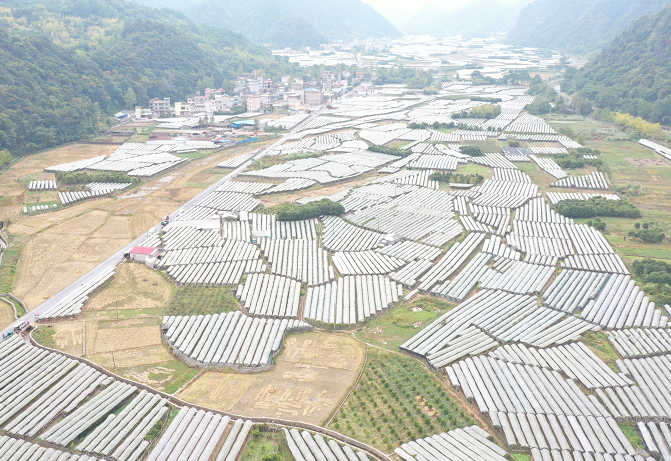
x: 63, y: 245
x: 312, y: 376
x: 134, y: 286
x: 648, y: 162
x: 69, y: 337
x: 30, y: 168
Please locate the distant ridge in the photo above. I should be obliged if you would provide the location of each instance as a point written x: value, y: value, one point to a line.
x: 633, y: 73
x: 255, y: 19
x: 478, y: 18
x: 577, y: 26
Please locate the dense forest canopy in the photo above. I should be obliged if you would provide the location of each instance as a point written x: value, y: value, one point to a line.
x: 66, y: 66
x: 633, y: 74
x: 577, y: 26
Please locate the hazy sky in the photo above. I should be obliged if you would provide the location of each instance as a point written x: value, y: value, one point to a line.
x: 399, y: 11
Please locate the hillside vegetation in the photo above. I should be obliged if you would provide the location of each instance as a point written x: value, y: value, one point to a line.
x: 66, y: 66
x: 633, y: 74
x: 256, y: 19
x: 577, y: 26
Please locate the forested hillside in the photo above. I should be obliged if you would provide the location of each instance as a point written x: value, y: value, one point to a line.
x: 478, y: 18
x: 256, y: 19
x: 633, y: 74
x: 66, y: 66
x: 577, y: 26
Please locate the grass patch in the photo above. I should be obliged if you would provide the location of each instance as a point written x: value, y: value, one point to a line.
x: 474, y: 168
x: 49, y: 203
x: 265, y: 444
x: 197, y: 300
x: 168, y: 376
x: 521, y: 457
x: 271, y: 160
x: 10, y: 261
x: 393, y: 328
x: 20, y: 311
x: 45, y: 335
x: 597, y: 341
x: 180, y: 380
x: 630, y: 432
x: 219, y: 171
x: 195, y: 155
x: 538, y: 177
x: 397, y: 399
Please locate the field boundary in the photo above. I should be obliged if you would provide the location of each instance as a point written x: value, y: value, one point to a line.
x: 335, y: 411
x: 261, y: 420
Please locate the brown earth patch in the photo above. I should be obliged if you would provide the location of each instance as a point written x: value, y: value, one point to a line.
x: 69, y: 337
x: 311, y: 377
x: 647, y: 162
x: 134, y: 286
x: 6, y: 314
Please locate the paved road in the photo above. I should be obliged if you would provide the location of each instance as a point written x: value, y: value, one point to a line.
x: 118, y: 256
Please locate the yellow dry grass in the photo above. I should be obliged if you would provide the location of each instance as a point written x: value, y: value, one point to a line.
x: 130, y: 358
x: 69, y: 337
x: 125, y: 337
x: 134, y: 286
x: 143, y: 221
x: 28, y: 225
x: 32, y: 168
x: 116, y: 227
x: 6, y: 314
x: 65, y: 244
x: 311, y: 377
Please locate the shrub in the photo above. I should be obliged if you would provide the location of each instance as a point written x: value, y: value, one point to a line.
x: 390, y: 150
x: 648, y: 235
x: 473, y: 151
x: 293, y: 212
x: 658, y: 277
x: 487, y: 111
x: 457, y: 178
x: 598, y: 206
x: 82, y: 177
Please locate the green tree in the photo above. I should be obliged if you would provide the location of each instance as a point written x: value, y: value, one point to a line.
x: 5, y: 157
x: 473, y: 151
x: 129, y: 98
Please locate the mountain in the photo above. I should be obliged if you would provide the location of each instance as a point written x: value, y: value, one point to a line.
x: 255, y: 19
x: 294, y: 32
x: 577, y: 26
x: 633, y: 73
x: 66, y: 66
x: 478, y: 18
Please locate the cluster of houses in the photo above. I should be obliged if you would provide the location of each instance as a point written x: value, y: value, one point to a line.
x: 260, y: 95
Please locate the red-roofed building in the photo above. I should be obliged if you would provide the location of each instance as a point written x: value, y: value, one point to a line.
x: 142, y: 253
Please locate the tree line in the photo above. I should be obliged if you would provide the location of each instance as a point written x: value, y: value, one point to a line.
x: 458, y: 178
x: 295, y: 212
x: 397, y: 151
x: 598, y: 206
x: 82, y: 177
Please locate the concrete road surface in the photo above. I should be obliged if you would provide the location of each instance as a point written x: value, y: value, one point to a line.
x: 118, y: 256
